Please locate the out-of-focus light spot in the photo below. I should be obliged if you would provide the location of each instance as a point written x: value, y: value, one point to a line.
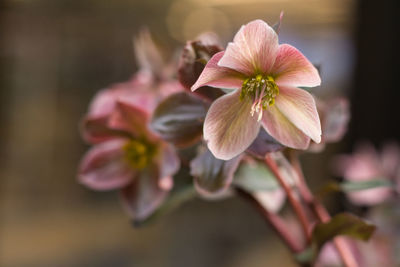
x: 206, y: 19
x: 188, y: 19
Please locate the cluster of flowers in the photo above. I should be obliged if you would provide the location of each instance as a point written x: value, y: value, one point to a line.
x: 204, y: 125
x: 372, y: 182
x: 136, y: 126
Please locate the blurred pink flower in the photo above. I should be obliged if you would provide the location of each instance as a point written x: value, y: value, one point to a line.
x: 265, y: 76
x: 132, y: 159
x: 376, y: 252
x: 153, y: 81
x: 366, y: 164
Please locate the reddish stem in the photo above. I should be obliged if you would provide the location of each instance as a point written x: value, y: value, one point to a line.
x: 294, y: 201
x: 321, y: 213
x: 274, y: 220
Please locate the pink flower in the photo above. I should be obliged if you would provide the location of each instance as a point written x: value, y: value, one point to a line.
x: 366, y: 164
x: 94, y: 127
x: 132, y: 159
x: 265, y: 77
x: 153, y: 81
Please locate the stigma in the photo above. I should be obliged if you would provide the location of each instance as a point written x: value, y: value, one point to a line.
x: 262, y: 91
x: 138, y: 153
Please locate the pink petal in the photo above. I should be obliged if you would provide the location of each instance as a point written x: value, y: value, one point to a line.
x: 370, y: 197
x: 144, y: 195
x: 216, y: 76
x: 95, y: 129
x: 361, y: 166
x: 284, y: 131
x: 169, y: 165
x: 170, y: 87
x: 138, y: 91
x: 229, y: 128
x: 253, y: 49
x: 103, y: 102
x: 130, y: 118
x: 299, y: 107
x: 103, y: 167
x: 292, y: 68
x: 148, y: 56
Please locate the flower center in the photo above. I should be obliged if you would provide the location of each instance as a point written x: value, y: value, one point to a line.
x: 139, y: 153
x: 262, y: 91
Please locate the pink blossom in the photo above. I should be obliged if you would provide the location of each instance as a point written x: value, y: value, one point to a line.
x: 367, y: 164
x: 153, y: 81
x: 133, y: 159
x: 264, y: 77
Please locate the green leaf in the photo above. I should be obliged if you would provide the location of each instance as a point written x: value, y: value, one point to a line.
x: 350, y: 186
x: 255, y: 176
x: 342, y: 224
x: 179, y: 119
x: 307, y: 256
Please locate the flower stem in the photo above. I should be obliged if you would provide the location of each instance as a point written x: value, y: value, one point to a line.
x: 274, y: 220
x: 294, y: 201
x: 321, y: 213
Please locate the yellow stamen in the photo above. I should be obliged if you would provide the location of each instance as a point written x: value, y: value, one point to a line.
x: 262, y: 91
x: 139, y: 153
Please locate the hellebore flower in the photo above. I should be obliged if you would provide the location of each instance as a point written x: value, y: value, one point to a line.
x: 265, y: 77
x: 366, y: 164
x: 134, y: 160
x: 153, y: 81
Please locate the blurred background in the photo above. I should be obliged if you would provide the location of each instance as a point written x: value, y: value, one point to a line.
x: 56, y: 54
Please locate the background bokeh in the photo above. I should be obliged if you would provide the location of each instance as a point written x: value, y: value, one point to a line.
x: 55, y: 55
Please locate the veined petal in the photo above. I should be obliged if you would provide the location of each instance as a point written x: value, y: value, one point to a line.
x: 144, y: 195
x: 103, y: 167
x: 299, y: 107
x: 131, y: 91
x: 229, y: 127
x: 212, y: 176
x: 292, y: 68
x: 253, y: 49
x: 284, y: 131
x: 130, y: 118
x: 216, y: 76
